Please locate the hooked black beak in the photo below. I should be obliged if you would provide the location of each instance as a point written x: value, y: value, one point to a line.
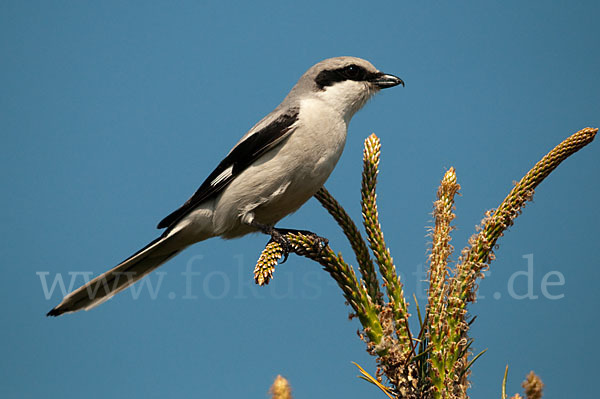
x: 384, y: 81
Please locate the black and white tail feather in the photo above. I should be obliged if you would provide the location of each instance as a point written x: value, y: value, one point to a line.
x: 126, y: 273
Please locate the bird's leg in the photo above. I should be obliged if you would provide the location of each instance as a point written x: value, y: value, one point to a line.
x: 278, y: 236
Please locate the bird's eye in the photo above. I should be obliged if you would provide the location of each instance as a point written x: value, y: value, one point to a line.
x: 353, y: 72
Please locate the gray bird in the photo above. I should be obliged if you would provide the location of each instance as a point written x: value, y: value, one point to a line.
x: 274, y: 169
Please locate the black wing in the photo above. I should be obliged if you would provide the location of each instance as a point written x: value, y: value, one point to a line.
x: 236, y: 162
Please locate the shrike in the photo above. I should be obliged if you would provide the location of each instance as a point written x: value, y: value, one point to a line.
x: 274, y: 169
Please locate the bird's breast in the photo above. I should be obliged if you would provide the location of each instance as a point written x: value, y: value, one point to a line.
x: 309, y: 156
x: 318, y: 141
x: 286, y: 177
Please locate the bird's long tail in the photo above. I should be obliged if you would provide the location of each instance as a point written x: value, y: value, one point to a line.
x: 105, y: 286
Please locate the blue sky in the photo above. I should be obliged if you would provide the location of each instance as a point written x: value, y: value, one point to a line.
x: 112, y: 113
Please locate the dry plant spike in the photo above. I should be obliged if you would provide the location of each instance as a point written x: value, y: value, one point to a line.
x: 533, y: 386
x: 365, y: 264
x: 476, y: 257
x: 382, y: 254
x: 281, y: 389
x: 441, y: 367
x: 354, y: 292
x: 265, y: 266
x: 441, y: 249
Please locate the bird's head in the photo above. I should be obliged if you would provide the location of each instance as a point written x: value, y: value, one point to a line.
x: 345, y: 83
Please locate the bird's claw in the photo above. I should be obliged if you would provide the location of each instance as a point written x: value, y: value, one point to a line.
x: 320, y: 242
x: 279, y: 236
x: 283, y: 242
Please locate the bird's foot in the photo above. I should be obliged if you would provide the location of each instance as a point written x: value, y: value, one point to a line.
x: 285, y: 244
x: 321, y: 242
x: 279, y: 236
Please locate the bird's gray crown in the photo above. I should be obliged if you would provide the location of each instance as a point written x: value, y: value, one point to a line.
x: 338, y: 69
x: 328, y: 72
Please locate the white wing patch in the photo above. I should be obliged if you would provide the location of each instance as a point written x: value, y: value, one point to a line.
x: 226, y: 174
